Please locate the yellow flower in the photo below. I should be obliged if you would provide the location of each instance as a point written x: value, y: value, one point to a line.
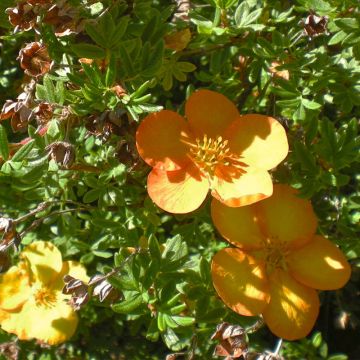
x: 278, y: 262
x: 31, y: 301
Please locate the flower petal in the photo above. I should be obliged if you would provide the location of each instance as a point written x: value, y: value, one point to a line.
x: 161, y: 140
x: 261, y: 140
x: 50, y: 324
x: 178, y: 192
x: 320, y: 265
x: 240, y: 281
x: 293, y: 307
x: 14, y: 288
x: 287, y: 218
x: 210, y: 113
x: 44, y: 260
x: 237, y: 225
x: 250, y: 187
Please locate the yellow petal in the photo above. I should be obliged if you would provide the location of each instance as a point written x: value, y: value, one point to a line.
x: 251, y: 187
x: 14, y: 288
x: 293, y: 307
x: 237, y: 225
x: 44, y: 260
x: 287, y: 218
x: 161, y: 140
x: 320, y: 265
x: 53, y: 324
x: 209, y: 112
x: 240, y: 281
x: 178, y: 192
x: 260, y: 140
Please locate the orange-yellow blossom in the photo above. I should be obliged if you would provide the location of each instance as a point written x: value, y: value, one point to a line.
x: 214, y: 148
x: 31, y: 301
x: 277, y: 263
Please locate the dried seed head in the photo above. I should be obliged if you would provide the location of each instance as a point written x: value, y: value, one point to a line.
x: 315, y: 25
x: 4, y: 261
x: 22, y: 16
x: 62, y: 152
x: 43, y: 112
x: 105, y: 291
x: 35, y: 60
x: 64, y: 19
x: 232, y: 340
x: 8, y: 109
x: 104, y: 125
x: 78, y: 291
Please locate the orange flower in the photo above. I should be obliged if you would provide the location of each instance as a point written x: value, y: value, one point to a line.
x: 216, y: 149
x: 278, y: 262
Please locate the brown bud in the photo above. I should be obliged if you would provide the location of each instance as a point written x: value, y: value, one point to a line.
x: 78, y: 291
x: 62, y: 152
x: 315, y: 25
x: 232, y: 340
x: 34, y: 59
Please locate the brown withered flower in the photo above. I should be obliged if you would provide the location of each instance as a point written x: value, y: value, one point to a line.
x: 104, y: 125
x: 43, y: 113
x: 315, y: 25
x: 64, y: 19
x: 10, y: 350
x: 283, y: 74
x: 78, y: 290
x: 62, y: 152
x: 103, y: 289
x: 232, y: 340
x: 20, y: 111
x: 35, y: 60
x: 22, y: 17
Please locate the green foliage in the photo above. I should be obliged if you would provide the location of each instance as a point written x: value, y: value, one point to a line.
x: 97, y: 209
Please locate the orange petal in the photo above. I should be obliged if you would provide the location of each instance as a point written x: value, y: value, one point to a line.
x: 287, y: 218
x: 320, y: 265
x: 160, y: 140
x: 178, y: 192
x: 240, y: 281
x: 293, y: 307
x: 209, y: 113
x: 253, y: 186
x: 237, y: 225
x: 44, y: 260
x: 261, y: 140
x: 14, y: 288
x: 53, y: 324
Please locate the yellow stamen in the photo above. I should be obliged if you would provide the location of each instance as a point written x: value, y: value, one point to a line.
x: 209, y: 153
x: 45, y: 297
x: 276, y: 253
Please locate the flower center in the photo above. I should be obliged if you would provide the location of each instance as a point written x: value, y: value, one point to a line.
x: 213, y: 157
x: 275, y: 255
x: 45, y: 297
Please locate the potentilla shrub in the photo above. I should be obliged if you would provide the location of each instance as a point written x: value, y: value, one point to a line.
x: 178, y: 179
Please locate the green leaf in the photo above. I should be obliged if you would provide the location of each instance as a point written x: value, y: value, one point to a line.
x: 183, y: 320
x: 154, y: 247
x: 110, y: 75
x: 131, y: 303
x: 312, y: 105
x: 338, y: 37
x: 50, y: 89
x: 88, y: 51
x: 151, y: 63
x: 4, y: 145
x: 23, y: 151
x: 305, y: 157
x: 91, y: 196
